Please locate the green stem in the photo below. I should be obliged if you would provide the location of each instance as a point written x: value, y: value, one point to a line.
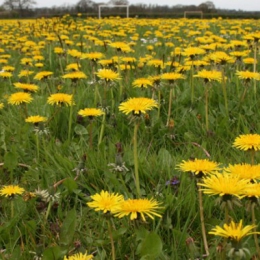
x: 25, y: 110
x: 90, y: 133
x: 102, y: 129
x: 137, y: 183
x: 97, y: 98
x: 226, y: 214
x: 50, y: 58
x: 61, y: 68
x: 207, y: 108
x: 159, y: 103
x: 12, y: 208
x: 226, y: 221
x: 111, y: 240
x: 70, y: 122
x: 112, y: 100
x: 237, y: 80
x: 169, y: 107
x: 224, y: 90
x: 57, y: 109
x: 255, y: 51
x: 37, y: 146
x: 70, y: 116
x: 243, y: 94
x: 255, y: 234
x: 48, y: 210
x: 192, y: 83
x: 202, y: 221
x: 45, y: 151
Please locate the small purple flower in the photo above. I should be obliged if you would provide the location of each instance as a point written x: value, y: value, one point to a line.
x: 173, y: 182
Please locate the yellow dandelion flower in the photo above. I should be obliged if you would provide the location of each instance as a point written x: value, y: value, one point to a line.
x: 79, y: 256
x: 125, y: 67
x: 91, y: 112
x: 192, y: 52
x: 142, y: 83
x: 120, y: 46
x: 59, y: 50
x: 155, y: 79
x: 73, y: 66
x: 11, y: 190
x: 36, y: 119
x: 75, y: 75
x: 108, y: 75
x: 199, y: 166
x: 223, y: 184
x: 8, y: 68
x: 3, y: 61
x: 105, y: 201
x: 43, y: 75
x: 1, y: 106
x: 5, y: 74
x: 19, y: 98
x: 38, y: 57
x: 38, y: 65
x: 209, y: 75
x: 239, y: 54
x: 138, y: 207
x: 105, y: 63
x: 93, y: 56
x: 249, y: 61
x: 26, y: 86
x: 60, y: 99
x: 247, y: 142
x: 128, y: 59
x: 137, y: 105
x: 245, y: 171
x: 248, y: 75
x: 234, y: 231
x: 26, y: 61
x: 156, y: 63
x: 252, y: 190
x: 25, y: 73
x: 75, y: 53
x: 220, y: 57
x: 172, y: 76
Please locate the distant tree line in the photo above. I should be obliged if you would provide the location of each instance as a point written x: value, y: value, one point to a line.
x: 88, y: 8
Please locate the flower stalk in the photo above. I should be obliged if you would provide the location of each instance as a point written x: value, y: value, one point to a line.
x: 111, y: 239
x: 207, y: 108
x: 202, y: 221
x: 224, y: 89
x: 102, y: 129
x: 254, y: 229
x: 137, y: 182
x: 169, y: 107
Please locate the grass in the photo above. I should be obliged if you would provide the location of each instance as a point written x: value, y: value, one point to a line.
x: 64, y: 162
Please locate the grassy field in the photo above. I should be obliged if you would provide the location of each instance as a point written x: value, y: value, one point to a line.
x: 111, y: 130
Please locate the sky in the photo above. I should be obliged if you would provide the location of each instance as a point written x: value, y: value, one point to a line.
x: 246, y: 5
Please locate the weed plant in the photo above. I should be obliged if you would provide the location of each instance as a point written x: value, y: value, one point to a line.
x: 63, y: 161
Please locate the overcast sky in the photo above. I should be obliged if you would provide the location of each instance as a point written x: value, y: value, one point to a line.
x: 247, y: 5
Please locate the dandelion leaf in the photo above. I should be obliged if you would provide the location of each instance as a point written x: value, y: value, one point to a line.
x: 68, y: 228
x: 150, y: 247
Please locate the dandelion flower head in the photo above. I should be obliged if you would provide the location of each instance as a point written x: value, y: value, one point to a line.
x: 138, y: 207
x: 233, y: 231
x: 199, y: 166
x: 79, y: 256
x: 11, y: 190
x: 105, y: 201
x: 137, y: 105
x: 247, y: 142
x: 19, y: 98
